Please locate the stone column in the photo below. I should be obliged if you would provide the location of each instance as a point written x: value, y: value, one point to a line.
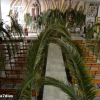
x: 98, y: 15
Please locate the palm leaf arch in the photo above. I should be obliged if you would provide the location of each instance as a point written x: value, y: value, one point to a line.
x: 37, y: 56
x: 76, y: 64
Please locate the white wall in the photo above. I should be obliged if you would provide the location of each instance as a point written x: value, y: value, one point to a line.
x: 0, y: 11
x: 5, y: 8
x: 98, y: 12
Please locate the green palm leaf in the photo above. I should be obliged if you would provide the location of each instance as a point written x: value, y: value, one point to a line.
x: 67, y: 88
x: 79, y: 70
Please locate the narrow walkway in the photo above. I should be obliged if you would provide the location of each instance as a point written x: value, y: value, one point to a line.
x: 55, y: 68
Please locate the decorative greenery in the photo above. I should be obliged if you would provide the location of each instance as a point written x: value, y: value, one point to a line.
x: 50, y: 16
x: 54, y: 24
x: 94, y: 47
x: 27, y: 19
x: 85, y: 91
x: 7, y: 32
x: 77, y: 17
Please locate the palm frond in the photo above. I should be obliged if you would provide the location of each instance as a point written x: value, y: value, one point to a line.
x: 79, y: 70
x: 8, y: 39
x: 16, y: 27
x: 80, y: 50
x: 67, y: 88
x: 90, y: 35
x: 34, y: 59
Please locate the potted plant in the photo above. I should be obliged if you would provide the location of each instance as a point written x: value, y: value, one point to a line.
x: 26, y: 31
x: 28, y: 21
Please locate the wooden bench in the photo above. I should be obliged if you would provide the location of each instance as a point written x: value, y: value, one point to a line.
x: 17, y: 72
x: 90, y: 60
x: 14, y: 72
x: 94, y: 72
x: 90, y: 57
x: 93, y: 65
x: 93, y: 41
x: 88, y: 53
x: 13, y: 81
x: 14, y: 91
x: 20, y: 64
x: 23, y: 49
x: 83, y: 47
x: 20, y: 58
x: 21, y: 54
x: 7, y: 49
x: 14, y: 40
x: 98, y: 93
x: 95, y: 81
x: 25, y: 46
x: 78, y: 41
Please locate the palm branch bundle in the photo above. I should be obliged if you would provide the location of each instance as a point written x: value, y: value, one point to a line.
x: 94, y: 47
x: 8, y: 38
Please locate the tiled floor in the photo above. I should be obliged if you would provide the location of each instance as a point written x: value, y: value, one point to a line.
x: 55, y: 68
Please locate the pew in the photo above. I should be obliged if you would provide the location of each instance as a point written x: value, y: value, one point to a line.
x: 98, y: 93
x: 17, y: 72
x: 93, y: 65
x: 78, y: 41
x: 93, y: 41
x: 94, y: 72
x: 88, y: 53
x: 84, y: 47
x: 95, y: 81
x: 90, y: 57
x: 14, y: 72
x: 23, y: 49
x: 90, y: 60
x: 14, y: 91
x: 20, y: 58
x: 22, y: 53
x: 19, y: 64
x: 12, y: 81
x: 24, y: 45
